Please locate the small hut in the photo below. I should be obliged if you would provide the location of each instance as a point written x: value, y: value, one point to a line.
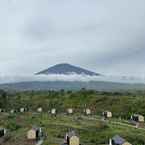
x: 71, y: 138
x: 2, y: 132
x: 22, y: 110
x: 53, y: 111
x: 1, y: 110
x: 34, y: 134
x: 39, y: 110
x: 12, y: 111
x: 87, y: 111
x: 117, y: 140
x: 107, y: 114
x: 70, y: 111
x: 137, y: 118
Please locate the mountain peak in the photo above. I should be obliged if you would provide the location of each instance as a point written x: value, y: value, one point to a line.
x: 66, y: 69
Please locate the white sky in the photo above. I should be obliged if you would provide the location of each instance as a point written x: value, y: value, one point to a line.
x: 106, y: 36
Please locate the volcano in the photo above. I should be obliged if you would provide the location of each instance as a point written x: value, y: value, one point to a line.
x: 66, y: 69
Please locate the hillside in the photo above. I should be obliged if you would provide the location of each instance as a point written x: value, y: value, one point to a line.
x: 119, y: 103
x: 91, y: 129
x: 72, y: 85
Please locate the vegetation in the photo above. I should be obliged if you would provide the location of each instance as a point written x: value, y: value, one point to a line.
x: 91, y: 129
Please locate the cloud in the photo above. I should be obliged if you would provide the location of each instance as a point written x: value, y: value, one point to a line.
x: 72, y: 77
x: 103, y: 36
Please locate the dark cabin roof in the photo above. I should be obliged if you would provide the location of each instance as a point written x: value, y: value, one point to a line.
x: 2, y: 129
x: 118, y: 140
x: 137, y: 115
x: 35, y: 128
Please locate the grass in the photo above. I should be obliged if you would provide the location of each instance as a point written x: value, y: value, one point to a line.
x: 91, y: 131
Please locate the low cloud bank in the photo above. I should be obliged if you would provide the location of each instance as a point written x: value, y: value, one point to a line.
x: 73, y: 77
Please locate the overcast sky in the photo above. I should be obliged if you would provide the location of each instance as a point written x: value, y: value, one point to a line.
x: 106, y: 36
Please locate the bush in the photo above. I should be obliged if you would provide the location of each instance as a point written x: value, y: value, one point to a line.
x: 13, y: 126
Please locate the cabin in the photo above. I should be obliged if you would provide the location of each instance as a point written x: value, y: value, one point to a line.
x: 53, y: 111
x: 34, y: 134
x: 39, y: 110
x: 87, y: 111
x: 70, y: 111
x: 23, y: 110
x: 2, y: 132
x: 71, y: 139
x: 117, y: 140
x: 107, y: 114
x: 137, y: 118
x: 1, y: 110
x: 12, y: 111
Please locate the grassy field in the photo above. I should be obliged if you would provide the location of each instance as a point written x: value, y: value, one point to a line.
x: 91, y: 130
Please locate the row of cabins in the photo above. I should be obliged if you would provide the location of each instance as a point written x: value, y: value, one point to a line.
x: 14, y: 110
x: 35, y: 134
x: 71, y: 138
x: 68, y: 111
x: 52, y: 111
x: 106, y: 114
x: 135, y: 119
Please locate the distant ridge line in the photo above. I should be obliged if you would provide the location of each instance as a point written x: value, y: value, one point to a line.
x: 67, y: 69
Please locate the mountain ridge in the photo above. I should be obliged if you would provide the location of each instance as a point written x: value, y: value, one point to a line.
x: 66, y: 69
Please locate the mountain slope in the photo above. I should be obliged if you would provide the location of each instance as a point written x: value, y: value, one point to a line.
x: 65, y: 69
x: 57, y: 85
